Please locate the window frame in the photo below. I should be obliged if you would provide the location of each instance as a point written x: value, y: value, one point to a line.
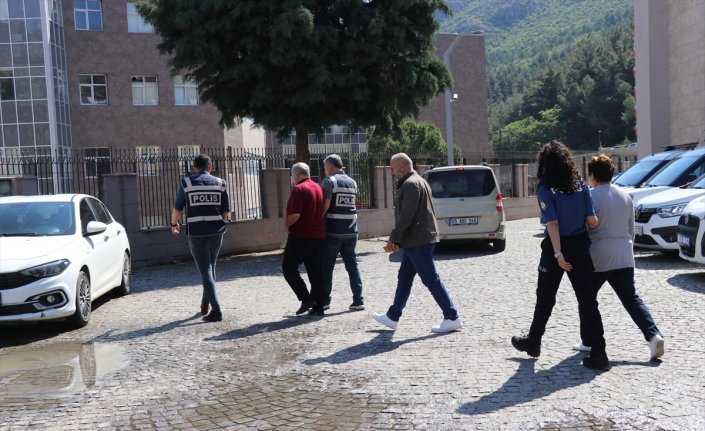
x: 85, y: 11
x: 149, y: 168
x: 141, y: 24
x: 96, y: 161
x: 185, y: 85
x: 92, y: 86
x: 140, y: 82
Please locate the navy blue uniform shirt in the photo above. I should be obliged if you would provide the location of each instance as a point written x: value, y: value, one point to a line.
x: 570, y: 210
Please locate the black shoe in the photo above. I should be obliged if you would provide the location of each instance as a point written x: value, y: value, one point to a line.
x: 305, y: 305
x: 316, y: 311
x: 598, y: 362
x: 204, y: 309
x: 528, y: 345
x: 213, y: 316
x: 357, y: 306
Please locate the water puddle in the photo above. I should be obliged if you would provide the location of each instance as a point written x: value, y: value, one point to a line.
x: 57, y: 370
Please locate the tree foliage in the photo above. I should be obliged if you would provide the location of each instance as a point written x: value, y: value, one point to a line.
x: 592, y: 91
x: 411, y: 137
x: 305, y: 64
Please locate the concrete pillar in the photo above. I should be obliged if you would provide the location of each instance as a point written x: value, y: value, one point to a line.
x: 121, y: 196
x: 521, y: 180
x: 276, y: 186
x: 626, y: 164
x: 25, y: 186
x: 382, y: 192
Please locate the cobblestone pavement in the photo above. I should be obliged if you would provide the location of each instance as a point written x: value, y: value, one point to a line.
x: 146, y: 361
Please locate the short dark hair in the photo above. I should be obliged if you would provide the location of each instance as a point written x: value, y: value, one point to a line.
x: 202, y: 161
x: 335, y: 161
x: 601, y: 168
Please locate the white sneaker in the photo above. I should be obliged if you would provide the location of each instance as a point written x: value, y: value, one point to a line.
x: 580, y: 347
x: 384, y: 320
x: 656, y: 346
x: 447, y: 326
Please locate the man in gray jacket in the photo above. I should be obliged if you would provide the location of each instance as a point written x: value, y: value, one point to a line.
x: 415, y: 234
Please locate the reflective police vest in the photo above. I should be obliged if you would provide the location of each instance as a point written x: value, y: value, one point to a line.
x: 341, y: 218
x: 204, y: 198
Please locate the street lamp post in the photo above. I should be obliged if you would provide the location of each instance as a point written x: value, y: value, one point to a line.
x: 448, y: 99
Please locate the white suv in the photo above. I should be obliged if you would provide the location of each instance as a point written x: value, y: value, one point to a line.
x: 656, y: 216
x: 468, y: 204
x: 691, y: 231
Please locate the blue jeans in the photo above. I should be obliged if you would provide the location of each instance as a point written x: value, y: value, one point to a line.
x: 419, y: 260
x: 346, y: 248
x: 622, y: 281
x: 204, y: 250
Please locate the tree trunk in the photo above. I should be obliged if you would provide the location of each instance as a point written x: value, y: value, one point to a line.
x: 302, y: 152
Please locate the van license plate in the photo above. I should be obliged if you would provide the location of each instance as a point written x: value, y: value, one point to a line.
x: 462, y: 221
x: 683, y: 240
x: 638, y: 230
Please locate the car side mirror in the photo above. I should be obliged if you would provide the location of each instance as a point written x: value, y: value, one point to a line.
x: 95, y: 227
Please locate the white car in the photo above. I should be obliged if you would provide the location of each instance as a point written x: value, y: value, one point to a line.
x: 468, y: 204
x: 691, y: 231
x: 58, y: 253
x: 681, y: 171
x: 656, y: 216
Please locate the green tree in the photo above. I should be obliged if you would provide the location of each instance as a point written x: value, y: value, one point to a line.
x: 529, y: 133
x: 412, y: 137
x: 302, y: 65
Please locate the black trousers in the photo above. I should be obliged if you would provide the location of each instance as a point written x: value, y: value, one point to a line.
x: 576, y: 251
x: 310, y: 253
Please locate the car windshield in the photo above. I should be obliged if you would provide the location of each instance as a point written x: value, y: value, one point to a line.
x: 699, y: 183
x: 461, y: 183
x: 636, y: 174
x: 669, y: 174
x: 36, y: 219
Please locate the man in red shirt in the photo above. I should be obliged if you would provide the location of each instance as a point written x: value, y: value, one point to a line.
x: 307, y: 232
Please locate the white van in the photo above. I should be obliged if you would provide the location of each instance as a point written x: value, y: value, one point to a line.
x: 468, y: 204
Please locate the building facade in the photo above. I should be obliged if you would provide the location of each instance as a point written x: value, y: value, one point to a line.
x: 669, y: 43
x: 34, y: 99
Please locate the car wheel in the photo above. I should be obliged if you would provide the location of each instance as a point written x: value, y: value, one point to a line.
x: 499, y: 244
x: 125, y: 286
x: 83, y: 301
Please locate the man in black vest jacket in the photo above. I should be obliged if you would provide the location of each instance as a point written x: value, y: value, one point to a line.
x: 339, y: 198
x: 207, y: 204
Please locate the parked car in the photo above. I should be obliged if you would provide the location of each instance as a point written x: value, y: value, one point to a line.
x: 59, y: 253
x: 644, y: 169
x: 656, y: 217
x: 691, y: 231
x: 468, y: 204
x: 682, y: 170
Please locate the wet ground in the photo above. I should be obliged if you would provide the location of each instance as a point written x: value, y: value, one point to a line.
x: 146, y: 361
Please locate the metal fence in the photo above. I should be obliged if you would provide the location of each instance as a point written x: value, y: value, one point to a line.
x: 160, y: 171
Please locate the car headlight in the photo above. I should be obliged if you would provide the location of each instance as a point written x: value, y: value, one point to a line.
x: 671, y: 210
x: 48, y: 269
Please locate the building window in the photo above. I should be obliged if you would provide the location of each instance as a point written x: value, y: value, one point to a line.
x: 186, y: 155
x: 185, y: 92
x: 149, y: 160
x: 145, y: 90
x: 135, y: 22
x: 88, y: 15
x: 93, y: 89
x: 96, y: 161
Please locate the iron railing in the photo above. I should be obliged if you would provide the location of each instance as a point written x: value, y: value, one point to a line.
x: 160, y: 170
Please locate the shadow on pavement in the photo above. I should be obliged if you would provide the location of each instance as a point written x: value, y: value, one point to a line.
x: 690, y: 282
x: 455, y: 251
x: 139, y: 333
x: 528, y: 385
x: 381, y: 343
x: 266, y: 327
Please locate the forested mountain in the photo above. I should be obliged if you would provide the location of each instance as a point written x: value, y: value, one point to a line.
x: 549, y: 61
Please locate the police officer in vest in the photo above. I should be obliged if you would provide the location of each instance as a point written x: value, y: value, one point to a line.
x: 339, y: 196
x: 207, y: 204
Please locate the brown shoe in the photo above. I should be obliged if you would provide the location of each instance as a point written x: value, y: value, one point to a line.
x: 213, y: 316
